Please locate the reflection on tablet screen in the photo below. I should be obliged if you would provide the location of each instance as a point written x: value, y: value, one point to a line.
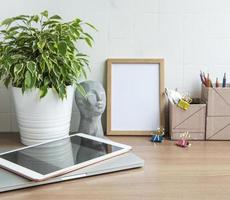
x: 60, y: 154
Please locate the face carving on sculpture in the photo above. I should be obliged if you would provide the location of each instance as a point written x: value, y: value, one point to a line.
x: 93, y: 104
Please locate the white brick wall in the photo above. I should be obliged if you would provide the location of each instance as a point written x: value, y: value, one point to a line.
x: 191, y: 35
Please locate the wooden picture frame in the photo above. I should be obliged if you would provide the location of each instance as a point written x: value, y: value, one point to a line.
x: 113, y: 73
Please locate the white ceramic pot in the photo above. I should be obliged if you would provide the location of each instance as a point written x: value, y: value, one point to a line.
x: 40, y: 120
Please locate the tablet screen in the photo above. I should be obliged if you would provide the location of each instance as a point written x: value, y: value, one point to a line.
x: 53, y: 156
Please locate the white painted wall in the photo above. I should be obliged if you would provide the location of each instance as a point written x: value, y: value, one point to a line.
x: 191, y: 35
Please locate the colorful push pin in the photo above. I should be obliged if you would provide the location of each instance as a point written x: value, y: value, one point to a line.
x: 183, y: 141
x: 158, y: 135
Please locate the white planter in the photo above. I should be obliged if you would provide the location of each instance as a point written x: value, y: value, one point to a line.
x: 40, y: 120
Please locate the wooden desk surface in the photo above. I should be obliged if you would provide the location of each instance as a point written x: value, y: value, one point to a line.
x: 199, y: 172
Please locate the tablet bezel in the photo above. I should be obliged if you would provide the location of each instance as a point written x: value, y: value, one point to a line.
x: 35, y: 176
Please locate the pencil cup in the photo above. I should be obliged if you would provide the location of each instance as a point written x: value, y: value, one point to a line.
x: 218, y: 112
x: 191, y: 120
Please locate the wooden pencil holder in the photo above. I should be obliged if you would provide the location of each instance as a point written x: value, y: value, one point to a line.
x: 191, y: 120
x: 218, y: 112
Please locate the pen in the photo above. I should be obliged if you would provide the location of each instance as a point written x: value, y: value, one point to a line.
x: 224, y: 80
x: 208, y: 81
x: 217, y: 83
x: 205, y: 80
x: 202, y: 78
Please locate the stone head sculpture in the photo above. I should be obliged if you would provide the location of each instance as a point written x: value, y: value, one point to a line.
x: 91, y: 107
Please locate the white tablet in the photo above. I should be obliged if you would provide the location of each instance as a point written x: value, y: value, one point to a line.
x: 42, y: 161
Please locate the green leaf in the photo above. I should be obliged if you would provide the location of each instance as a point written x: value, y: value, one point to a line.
x: 41, y: 44
x: 77, y: 21
x: 89, y: 36
x: 84, y: 73
x: 88, y: 41
x: 62, y: 91
x: 42, y: 64
x: 7, y: 81
x: 22, y: 17
x: 81, y: 90
x: 33, y: 81
x: 17, y: 69
x: 62, y: 48
x: 92, y: 26
x: 81, y: 55
x: 74, y: 31
x: 35, y: 18
x: 43, y: 91
x: 13, y: 28
x: 45, y: 13
x: 51, y: 47
x: 7, y: 21
x: 63, y: 72
x: 56, y: 72
x: 31, y: 67
x: 55, y: 17
x: 50, y: 22
x: 46, y: 81
x: 28, y: 80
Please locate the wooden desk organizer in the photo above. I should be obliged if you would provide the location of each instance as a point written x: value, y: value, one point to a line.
x: 218, y: 112
x: 191, y: 120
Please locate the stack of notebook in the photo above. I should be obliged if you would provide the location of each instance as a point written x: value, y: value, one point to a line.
x: 12, y: 181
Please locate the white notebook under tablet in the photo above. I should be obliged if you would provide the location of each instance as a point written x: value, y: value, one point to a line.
x: 10, y: 181
x: 54, y: 158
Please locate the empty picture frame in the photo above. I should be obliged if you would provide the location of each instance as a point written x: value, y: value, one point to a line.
x: 135, y: 102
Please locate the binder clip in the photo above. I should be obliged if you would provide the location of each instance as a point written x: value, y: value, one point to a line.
x: 158, y: 135
x: 182, y: 101
x: 183, y: 104
x: 183, y: 141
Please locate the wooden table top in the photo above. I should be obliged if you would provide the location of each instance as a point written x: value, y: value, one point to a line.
x: 199, y: 172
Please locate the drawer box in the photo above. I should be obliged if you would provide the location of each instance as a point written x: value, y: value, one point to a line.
x: 218, y: 128
x: 217, y: 100
x: 191, y: 120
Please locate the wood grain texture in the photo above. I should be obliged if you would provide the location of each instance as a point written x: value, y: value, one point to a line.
x: 170, y: 172
x: 109, y: 63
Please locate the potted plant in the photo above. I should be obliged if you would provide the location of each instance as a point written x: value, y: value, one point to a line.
x: 40, y: 59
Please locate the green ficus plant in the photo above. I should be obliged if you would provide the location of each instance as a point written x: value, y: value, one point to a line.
x: 39, y: 51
